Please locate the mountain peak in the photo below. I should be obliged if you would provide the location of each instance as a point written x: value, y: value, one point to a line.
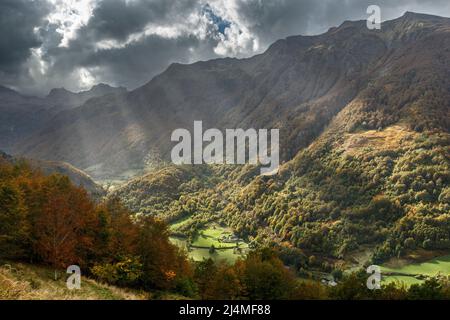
x: 96, y: 90
x: 7, y: 90
x: 100, y: 86
x: 410, y: 16
x: 59, y: 92
x: 415, y: 15
x: 105, y: 88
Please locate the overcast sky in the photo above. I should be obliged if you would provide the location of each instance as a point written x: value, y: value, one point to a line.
x: 77, y: 43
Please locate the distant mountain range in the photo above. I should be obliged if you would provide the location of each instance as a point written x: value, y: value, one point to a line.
x: 23, y: 116
x: 367, y: 79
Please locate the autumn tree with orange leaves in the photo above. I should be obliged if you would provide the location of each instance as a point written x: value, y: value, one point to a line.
x: 63, y: 228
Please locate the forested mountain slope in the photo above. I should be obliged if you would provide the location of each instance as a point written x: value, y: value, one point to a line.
x: 376, y: 177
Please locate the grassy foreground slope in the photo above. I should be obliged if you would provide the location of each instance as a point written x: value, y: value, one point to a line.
x: 30, y: 282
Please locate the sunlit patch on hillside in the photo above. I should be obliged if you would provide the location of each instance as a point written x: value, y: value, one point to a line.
x: 390, y: 138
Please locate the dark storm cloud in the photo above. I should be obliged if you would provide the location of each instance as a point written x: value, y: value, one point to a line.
x: 116, y: 19
x: 18, y: 18
x: 201, y: 29
x: 272, y: 20
x: 134, y: 63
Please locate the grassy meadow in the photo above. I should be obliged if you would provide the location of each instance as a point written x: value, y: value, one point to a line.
x: 416, y: 272
x: 200, y: 247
